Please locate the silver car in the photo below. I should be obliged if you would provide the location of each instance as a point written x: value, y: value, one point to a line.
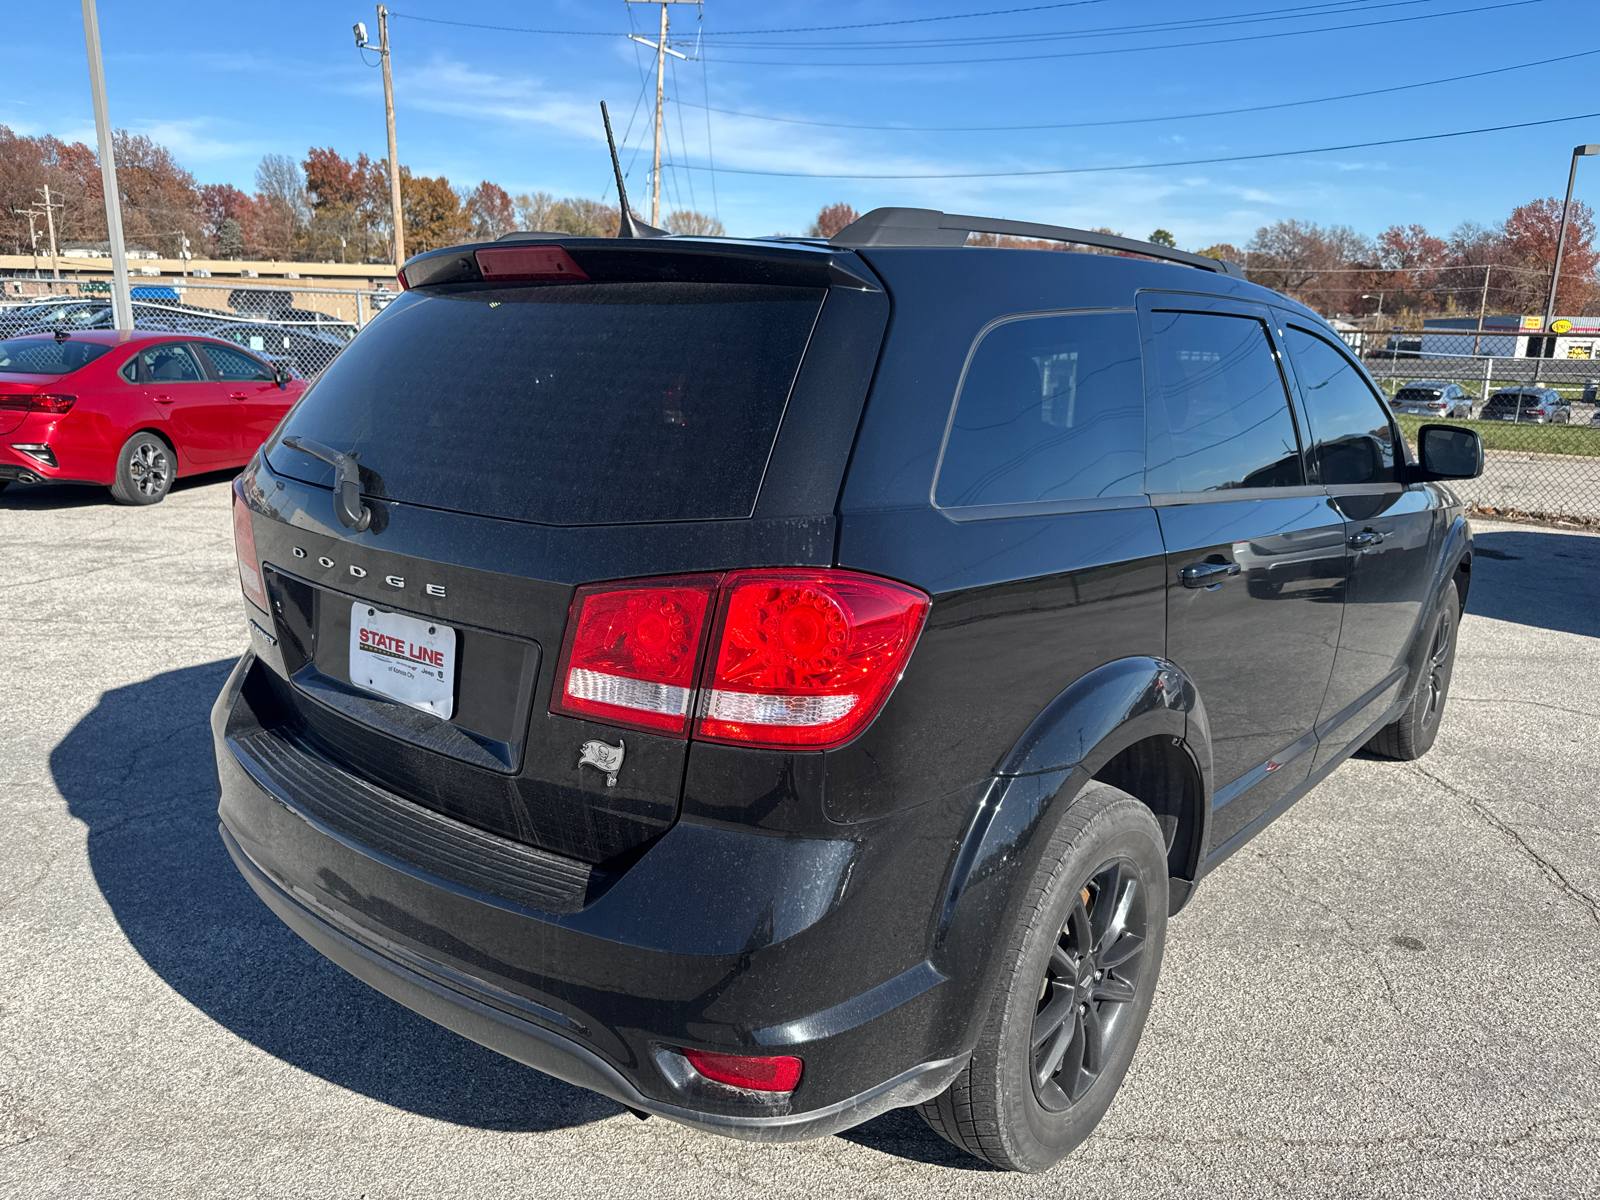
x: 1528, y: 405
x: 1433, y: 398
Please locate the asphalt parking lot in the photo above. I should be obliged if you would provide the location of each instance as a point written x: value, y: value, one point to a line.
x: 1394, y: 991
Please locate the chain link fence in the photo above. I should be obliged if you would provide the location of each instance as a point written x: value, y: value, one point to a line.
x: 1531, y: 396
x: 304, y: 328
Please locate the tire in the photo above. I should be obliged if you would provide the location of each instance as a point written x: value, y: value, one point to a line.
x: 996, y: 1108
x: 146, y: 467
x: 1412, y: 734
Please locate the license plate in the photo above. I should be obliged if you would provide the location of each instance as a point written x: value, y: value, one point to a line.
x: 404, y: 659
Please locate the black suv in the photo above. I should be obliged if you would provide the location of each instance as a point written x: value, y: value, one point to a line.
x: 773, y: 682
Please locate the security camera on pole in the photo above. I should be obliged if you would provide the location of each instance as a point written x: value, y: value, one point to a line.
x: 382, y: 48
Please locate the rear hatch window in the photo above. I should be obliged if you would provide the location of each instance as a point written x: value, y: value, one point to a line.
x: 1417, y: 396
x: 46, y: 356
x: 571, y: 404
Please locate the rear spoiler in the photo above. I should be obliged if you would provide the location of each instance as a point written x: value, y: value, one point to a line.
x: 929, y: 227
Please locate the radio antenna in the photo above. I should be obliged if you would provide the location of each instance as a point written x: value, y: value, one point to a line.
x: 628, y: 225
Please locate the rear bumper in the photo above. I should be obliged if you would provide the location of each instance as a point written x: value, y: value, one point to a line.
x: 604, y: 994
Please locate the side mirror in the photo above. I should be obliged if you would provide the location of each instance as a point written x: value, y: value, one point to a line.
x: 1449, y: 452
x: 280, y: 376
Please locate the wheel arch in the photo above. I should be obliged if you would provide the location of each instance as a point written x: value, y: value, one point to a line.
x: 180, y: 463
x: 1137, y: 723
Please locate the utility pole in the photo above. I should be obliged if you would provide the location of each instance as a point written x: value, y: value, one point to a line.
x: 1483, y: 307
x: 121, y: 303
x: 662, y: 50
x: 388, y: 115
x: 1549, y: 342
x: 50, y: 219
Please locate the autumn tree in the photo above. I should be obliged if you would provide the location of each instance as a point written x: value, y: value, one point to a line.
x: 831, y: 219
x: 489, y: 211
x: 694, y: 224
x: 1530, y: 237
x: 1324, y: 268
x: 433, y: 215
x: 72, y: 172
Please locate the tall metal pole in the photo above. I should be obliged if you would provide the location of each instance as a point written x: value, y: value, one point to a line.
x: 121, y: 304
x: 1561, y: 242
x: 661, y: 85
x: 394, y: 153
x: 1483, y: 305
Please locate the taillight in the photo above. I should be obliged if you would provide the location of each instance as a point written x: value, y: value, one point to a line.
x: 400, y: 277
x: 805, y: 657
x: 549, y: 264
x: 631, y: 652
x: 244, y: 549
x: 777, y: 1074
x: 1534, y: 412
x: 31, y: 402
x: 797, y: 657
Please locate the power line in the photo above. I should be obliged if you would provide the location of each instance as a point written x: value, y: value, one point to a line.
x: 993, y: 12
x: 1186, y: 162
x: 1331, y: 8
x: 1188, y: 45
x: 1215, y: 112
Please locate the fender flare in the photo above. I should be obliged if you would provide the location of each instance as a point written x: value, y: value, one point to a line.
x: 1456, y: 550
x: 1082, y: 729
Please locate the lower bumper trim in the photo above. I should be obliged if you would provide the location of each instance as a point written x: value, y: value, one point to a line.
x: 548, y: 1051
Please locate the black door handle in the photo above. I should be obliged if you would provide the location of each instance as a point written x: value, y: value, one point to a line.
x: 1207, y: 574
x: 1367, y: 537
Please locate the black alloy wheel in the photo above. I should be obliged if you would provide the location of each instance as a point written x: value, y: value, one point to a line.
x: 1440, y: 661
x: 1089, y: 985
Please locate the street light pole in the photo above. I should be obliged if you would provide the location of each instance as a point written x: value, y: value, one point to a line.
x: 121, y: 304
x: 1561, y: 243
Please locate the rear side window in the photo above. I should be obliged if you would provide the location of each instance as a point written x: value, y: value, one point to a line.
x: 235, y: 364
x: 1052, y: 408
x: 46, y: 356
x: 1351, y: 439
x: 171, y: 362
x: 1225, y: 410
x: 567, y: 405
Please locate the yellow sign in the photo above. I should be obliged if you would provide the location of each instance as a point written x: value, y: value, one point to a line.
x: 1581, y: 350
x: 1531, y: 323
x: 1562, y: 326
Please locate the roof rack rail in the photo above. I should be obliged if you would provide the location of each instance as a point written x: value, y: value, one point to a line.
x: 929, y: 227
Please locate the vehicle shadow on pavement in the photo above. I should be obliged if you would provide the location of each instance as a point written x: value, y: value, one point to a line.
x: 902, y: 1133
x: 55, y: 496
x: 1518, y: 575
x: 138, y: 771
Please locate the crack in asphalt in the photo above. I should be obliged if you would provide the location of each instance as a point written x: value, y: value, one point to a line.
x: 1576, y: 712
x: 1547, y: 868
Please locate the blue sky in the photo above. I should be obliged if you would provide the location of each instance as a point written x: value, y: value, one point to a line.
x: 222, y: 85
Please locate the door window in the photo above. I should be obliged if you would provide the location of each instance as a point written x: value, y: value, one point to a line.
x: 171, y: 362
x: 1352, y: 440
x: 236, y: 364
x: 1226, y: 419
x: 1052, y: 408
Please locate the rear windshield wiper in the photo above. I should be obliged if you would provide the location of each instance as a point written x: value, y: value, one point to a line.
x: 353, y: 514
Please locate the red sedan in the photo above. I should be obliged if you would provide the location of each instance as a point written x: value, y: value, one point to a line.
x: 133, y: 411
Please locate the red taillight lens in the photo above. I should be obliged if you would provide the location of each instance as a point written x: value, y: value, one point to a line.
x: 550, y: 264
x: 630, y: 653
x: 779, y: 1074
x: 244, y: 549
x: 32, y: 402
x: 400, y: 277
x: 805, y: 658
x: 798, y: 657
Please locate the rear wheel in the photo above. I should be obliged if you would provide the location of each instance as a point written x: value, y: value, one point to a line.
x: 146, y: 467
x: 1412, y: 735
x: 1079, y: 976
